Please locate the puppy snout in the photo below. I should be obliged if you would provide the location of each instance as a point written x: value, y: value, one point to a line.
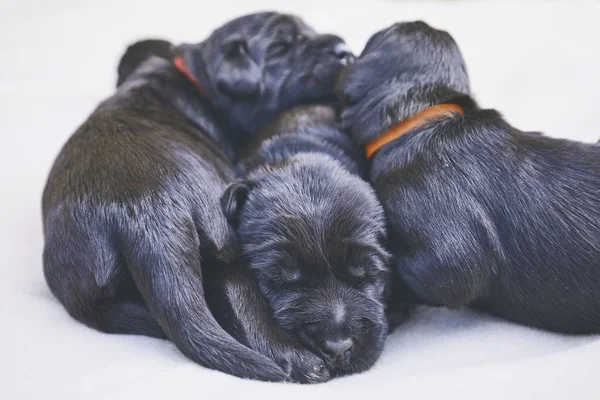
x: 339, y: 349
x: 336, y: 46
x: 342, y: 52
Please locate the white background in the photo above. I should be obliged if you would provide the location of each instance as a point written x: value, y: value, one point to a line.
x: 537, y: 62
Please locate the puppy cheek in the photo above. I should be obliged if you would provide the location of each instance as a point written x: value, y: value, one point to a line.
x: 285, y: 322
x: 370, y: 348
x: 240, y: 80
x: 374, y: 292
x: 283, y: 314
x: 328, y: 73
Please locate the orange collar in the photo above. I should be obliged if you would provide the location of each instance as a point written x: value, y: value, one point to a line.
x: 180, y: 66
x: 414, y: 121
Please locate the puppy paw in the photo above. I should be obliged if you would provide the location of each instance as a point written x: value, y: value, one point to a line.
x: 302, y: 366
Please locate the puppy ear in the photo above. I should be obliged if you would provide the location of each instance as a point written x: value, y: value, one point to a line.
x: 239, y: 76
x: 139, y: 52
x: 233, y: 200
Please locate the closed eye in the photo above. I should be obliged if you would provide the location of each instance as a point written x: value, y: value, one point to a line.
x: 357, y: 271
x: 236, y: 47
x: 359, y: 277
x: 285, y: 277
x: 291, y: 276
x: 279, y: 49
x: 352, y: 280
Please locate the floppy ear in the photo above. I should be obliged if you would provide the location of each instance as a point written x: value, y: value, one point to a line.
x: 238, y: 75
x: 233, y: 200
x: 139, y: 52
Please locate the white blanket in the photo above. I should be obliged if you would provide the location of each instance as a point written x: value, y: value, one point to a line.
x: 538, y: 63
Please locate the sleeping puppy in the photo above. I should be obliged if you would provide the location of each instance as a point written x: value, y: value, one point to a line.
x: 132, y: 219
x: 311, y: 231
x: 238, y: 306
x: 480, y: 213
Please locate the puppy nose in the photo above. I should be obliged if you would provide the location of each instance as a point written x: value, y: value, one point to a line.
x: 342, y: 52
x: 338, y: 348
x: 335, y: 45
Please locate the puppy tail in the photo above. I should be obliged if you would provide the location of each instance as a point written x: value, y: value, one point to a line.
x: 139, y: 52
x: 164, y: 260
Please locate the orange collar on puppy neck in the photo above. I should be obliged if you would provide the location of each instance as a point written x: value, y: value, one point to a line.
x: 180, y: 66
x: 414, y: 121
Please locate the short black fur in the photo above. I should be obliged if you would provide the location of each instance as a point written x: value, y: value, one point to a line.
x: 132, y: 220
x: 480, y: 213
x: 312, y: 231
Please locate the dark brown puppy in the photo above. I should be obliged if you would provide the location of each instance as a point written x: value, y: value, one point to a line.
x: 479, y: 212
x: 132, y: 220
x: 312, y: 231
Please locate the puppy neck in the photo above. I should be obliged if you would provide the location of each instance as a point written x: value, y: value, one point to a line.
x: 302, y: 130
x: 158, y: 80
x: 180, y: 65
x: 385, y: 107
x: 415, y: 121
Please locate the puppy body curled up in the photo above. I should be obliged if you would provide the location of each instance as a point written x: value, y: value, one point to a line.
x: 312, y: 230
x: 480, y: 213
x: 132, y: 220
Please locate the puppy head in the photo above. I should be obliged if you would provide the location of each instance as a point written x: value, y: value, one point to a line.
x: 258, y: 65
x: 402, y: 69
x: 312, y: 234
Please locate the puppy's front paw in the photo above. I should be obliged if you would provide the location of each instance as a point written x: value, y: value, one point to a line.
x: 302, y: 366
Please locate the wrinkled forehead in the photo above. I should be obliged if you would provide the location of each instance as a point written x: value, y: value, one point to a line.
x: 264, y: 25
x: 336, y: 229
x: 329, y: 251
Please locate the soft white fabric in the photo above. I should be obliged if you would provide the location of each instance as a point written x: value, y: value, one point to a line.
x: 538, y: 63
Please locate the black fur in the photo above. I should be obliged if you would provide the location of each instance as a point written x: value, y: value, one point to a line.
x: 239, y: 307
x: 312, y: 232
x: 138, y: 52
x: 480, y: 213
x: 132, y: 221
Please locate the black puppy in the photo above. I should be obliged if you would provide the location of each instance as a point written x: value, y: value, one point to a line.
x: 312, y: 231
x: 132, y: 219
x: 479, y: 212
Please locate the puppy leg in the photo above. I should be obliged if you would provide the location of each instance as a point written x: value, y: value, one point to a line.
x: 85, y: 273
x: 161, y: 248
x: 238, y: 305
x: 446, y: 255
x: 453, y: 268
x: 126, y: 316
x: 447, y: 275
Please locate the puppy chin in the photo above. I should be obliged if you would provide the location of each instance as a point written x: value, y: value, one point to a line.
x: 317, y: 89
x: 327, y: 75
x: 369, y: 342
